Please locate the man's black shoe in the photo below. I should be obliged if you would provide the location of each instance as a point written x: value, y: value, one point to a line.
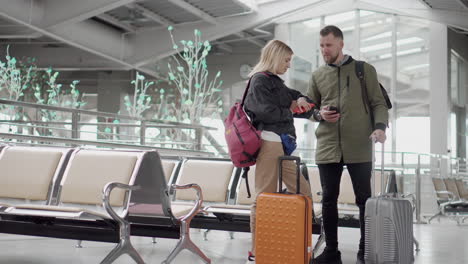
x: 329, y: 257
x: 360, y: 257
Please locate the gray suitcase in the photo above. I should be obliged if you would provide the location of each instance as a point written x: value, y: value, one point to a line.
x: 388, y: 228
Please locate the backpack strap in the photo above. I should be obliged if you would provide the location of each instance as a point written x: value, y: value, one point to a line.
x: 245, y: 175
x: 248, y: 86
x: 359, y: 66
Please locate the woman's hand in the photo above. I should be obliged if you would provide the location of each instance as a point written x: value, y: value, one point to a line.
x: 303, y: 104
x: 293, y: 106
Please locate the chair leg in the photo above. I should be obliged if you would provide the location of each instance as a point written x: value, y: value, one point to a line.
x: 320, y: 240
x: 78, y: 244
x: 124, y: 247
x: 231, y: 235
x: 416, y: 243
x: 205, y: 234
x: 185, y: 243
x: 154, y: 240
x: 438, y: 215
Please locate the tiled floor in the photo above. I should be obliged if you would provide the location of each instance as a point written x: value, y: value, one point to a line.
x: 443, y: 242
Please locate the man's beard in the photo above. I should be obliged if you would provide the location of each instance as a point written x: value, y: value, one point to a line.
x: 331, y: 60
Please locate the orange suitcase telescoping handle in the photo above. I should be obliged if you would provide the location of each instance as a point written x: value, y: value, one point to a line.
x: 280, y: 172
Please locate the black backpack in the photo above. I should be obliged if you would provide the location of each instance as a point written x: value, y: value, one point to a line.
x: 365, y: 98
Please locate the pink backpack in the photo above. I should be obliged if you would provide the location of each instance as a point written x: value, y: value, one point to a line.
x: 243, y: 140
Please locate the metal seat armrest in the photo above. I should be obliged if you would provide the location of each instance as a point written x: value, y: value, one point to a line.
x: 106, y: 192
x: 198, y: 202
x: 412, y: 196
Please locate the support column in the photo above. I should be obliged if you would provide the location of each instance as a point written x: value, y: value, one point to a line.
x: 440, y: 94
x: 109, y: 89
x: 282, y: 33
x: 393, y: 88
x: 439, y: 113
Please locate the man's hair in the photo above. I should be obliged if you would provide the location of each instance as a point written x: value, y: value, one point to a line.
x: 274, y: 52
x: 330, y: 29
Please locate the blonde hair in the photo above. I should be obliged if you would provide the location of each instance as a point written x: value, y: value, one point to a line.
x: 274, y: 52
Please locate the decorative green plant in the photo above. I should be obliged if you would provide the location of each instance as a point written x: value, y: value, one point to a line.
x: 189, y: 73
x: 13, y: 78
x: 140, y: 101
x: 56, y: 96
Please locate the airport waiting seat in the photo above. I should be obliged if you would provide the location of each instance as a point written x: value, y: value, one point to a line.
x: 95, y: 186
x: 462, y: 189
x: 29, y: 174
x: 170, y: 168
x: 449, y: 200
x: 151, y: 204
x: 214, y: 177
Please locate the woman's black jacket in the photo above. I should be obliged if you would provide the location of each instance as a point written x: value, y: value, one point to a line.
x: 268, y: 101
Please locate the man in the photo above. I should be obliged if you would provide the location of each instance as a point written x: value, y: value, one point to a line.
x: 344, y: 132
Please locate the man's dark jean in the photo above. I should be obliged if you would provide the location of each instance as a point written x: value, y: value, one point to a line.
x: 330, y: 177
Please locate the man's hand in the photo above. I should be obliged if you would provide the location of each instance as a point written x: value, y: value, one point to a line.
x: 329, y: 115
x: 378, y: 135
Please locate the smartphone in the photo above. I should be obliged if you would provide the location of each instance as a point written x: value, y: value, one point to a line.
x: 333, y: 108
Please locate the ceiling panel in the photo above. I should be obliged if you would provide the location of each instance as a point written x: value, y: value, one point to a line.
x: 453, y: 5
x: 169, y: 11
x: 219, y: 8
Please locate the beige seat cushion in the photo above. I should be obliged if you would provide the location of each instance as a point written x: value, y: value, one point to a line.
x: 179, y: 210
x: 452, y: 187
x: 462, y: 189
x: 57, y: 211
x: 90, y: 170
x: 439, y: 186
x: 27, y: 172
x: 168, y: 168
x: 212, y: 176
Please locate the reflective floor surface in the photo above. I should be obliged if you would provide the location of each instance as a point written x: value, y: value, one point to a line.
x: 443, y: 242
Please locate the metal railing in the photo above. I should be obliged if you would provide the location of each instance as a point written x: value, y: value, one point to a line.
x: 108, y: 128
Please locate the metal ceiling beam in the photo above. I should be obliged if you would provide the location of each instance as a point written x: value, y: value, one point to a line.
x: 61, y: 13
x: 456, y: 18
x: 249, y: 38
x: 151, y: 46
x: 224, y: 47
x: 194, y: 10
x: 249, y: 4
x: 150, y: 14
x: 111, y: 20
x: 21, y: 36
x: 63, y: 57
x: 89, y: 35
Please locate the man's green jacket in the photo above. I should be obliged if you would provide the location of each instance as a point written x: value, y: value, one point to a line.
x: 348, y: 138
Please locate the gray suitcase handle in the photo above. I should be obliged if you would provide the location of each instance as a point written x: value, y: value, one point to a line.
x: 382, y: 169
x: 280, y: 172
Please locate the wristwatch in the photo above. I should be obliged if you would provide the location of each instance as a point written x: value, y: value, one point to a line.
x: 317, y: 116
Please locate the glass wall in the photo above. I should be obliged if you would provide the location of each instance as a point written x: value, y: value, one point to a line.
x: 408, y: 83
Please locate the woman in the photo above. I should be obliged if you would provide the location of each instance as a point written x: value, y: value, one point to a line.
x: 270, y: 104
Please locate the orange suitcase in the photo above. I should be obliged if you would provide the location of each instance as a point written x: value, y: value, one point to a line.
x: 283, y: 231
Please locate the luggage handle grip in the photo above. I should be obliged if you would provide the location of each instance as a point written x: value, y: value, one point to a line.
x: 382, y: 169
x: 280, y: 171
